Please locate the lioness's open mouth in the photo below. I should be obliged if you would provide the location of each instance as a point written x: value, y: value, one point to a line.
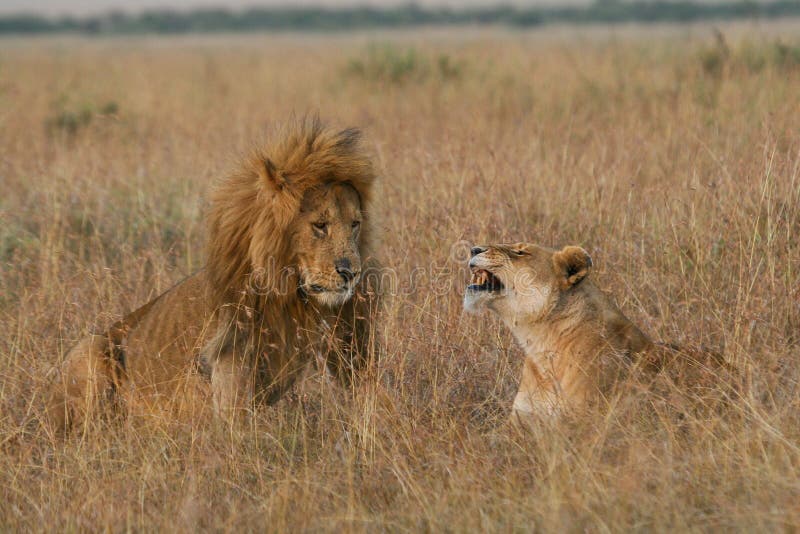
x: 483, y: 280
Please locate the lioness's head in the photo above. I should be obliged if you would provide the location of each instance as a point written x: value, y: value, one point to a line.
x: 326, y: 235
x: 522, y: 279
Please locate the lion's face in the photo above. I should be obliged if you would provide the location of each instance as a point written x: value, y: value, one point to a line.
x: 522, y: 279
x: 327, y: 235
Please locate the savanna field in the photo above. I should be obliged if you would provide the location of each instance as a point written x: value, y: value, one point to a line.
x: 671, y: 154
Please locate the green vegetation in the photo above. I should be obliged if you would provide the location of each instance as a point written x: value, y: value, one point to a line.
x: 348, y: 18
x: 386, y: 63
x: 70, y: 119
x: 748, y: 57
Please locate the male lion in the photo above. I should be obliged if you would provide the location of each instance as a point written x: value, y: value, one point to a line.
x: 289, y: 235
x: 577, y: 343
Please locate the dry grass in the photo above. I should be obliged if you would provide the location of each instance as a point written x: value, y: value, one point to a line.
x: 674, y: 159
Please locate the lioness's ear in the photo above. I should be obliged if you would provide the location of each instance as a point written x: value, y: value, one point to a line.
x: 571, y: 265
x: 271, y: 175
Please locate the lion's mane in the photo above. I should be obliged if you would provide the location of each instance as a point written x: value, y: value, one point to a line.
x: 251, y: 210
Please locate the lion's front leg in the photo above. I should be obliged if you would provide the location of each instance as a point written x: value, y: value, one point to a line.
x: 231, y: 386
x: 226, y: 357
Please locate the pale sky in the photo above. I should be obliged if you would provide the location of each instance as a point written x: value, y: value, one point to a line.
x: 83, y: 7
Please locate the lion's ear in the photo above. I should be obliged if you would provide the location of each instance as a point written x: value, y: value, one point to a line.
x: 271, y: 175
x: 571, y: 265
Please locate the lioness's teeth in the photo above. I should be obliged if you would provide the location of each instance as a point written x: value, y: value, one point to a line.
x: 479, y: 277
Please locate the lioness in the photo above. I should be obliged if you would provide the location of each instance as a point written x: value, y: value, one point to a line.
x: 576, y: 341
x: 288, y: 243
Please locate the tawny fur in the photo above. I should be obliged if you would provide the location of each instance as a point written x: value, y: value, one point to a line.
x: 577, y: 343
x: 244, y: 323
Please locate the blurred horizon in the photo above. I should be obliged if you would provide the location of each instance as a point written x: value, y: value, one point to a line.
x: 201, y: 16
x: 80, y: 8
x: 98, y: 7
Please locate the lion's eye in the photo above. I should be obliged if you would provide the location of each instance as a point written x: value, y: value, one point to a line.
x: 356, y: 224
x: 519, y: 252
x: 320, y: 226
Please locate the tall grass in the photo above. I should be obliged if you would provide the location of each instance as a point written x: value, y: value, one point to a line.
x: 679, y: 173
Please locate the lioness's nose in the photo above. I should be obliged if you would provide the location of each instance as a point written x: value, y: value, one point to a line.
x: 477, y: 250
x: 345, y: 269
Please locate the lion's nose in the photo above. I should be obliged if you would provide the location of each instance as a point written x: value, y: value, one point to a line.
x: 477, y: 250
x: 345, y: 269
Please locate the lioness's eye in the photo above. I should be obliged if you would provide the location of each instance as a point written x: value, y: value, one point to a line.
x: 356, y: 224
x: 519, y: 252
